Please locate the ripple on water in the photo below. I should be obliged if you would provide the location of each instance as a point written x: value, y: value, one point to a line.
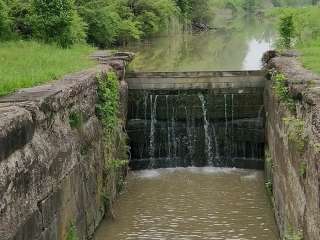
x: 192, y: 203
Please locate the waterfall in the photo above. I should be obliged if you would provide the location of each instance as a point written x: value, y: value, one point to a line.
x: 189, y: 135
x: 226, y: 147
x: 206, y: 126
x: 168, y: 129
x: 173, y: 134
x: 232, y: 122
x: 153, y: 104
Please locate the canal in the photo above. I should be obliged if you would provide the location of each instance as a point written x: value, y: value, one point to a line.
x: 197, y: 203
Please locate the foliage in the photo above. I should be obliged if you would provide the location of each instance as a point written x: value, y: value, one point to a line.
x: 296, y: 132
x: 108, y: 103
x: 286, y: 30
x: 103, y: 23
x: 72, y: 233
x: 58, y: 21
x: 26, y: 64
x: 115, y: 139
x: 5, y: 21
x: 282, y: 91
x: 21, y: 14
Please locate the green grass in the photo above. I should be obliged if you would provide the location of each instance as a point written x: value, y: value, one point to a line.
x: 311, y: 55
x: 27, y: 63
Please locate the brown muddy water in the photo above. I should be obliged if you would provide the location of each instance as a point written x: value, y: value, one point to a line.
x: 190, y: 204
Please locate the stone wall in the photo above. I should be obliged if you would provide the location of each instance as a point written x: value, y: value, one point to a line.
x: 52, y: 158
x: 296, y: 170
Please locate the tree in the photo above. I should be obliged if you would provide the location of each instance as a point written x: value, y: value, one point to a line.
x: 5, y: 21
x: 58, y: 21
x: 286, y: 30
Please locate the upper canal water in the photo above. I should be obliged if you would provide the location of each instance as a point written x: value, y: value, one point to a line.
x: 197, y: 203
x: 236, y: 45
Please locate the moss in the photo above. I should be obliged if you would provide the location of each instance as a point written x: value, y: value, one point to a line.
x: 76, y: 119
x: 303, y: 169
x: 296, y: 134
x: 269, y: 175
x: 292, y: 234
x: 72, y: 233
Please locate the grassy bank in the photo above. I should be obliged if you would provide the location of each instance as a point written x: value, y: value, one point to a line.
x: 310, y: 55
x: 299, y: 28
x: 26, y: 64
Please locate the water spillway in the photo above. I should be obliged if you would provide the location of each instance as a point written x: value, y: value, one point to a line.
x: 196, y: 119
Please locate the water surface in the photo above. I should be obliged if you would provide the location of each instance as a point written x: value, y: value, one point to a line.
x: 237, y: 44
x: 192, y: 204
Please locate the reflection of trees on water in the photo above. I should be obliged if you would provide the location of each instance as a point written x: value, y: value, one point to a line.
x: 225, y: 48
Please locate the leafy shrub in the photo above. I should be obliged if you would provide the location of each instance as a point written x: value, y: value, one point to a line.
x: 286, y: 30
x: 5, y: 21
x: 21, y: 14
x: 103, y: 24
x: 58, y: 21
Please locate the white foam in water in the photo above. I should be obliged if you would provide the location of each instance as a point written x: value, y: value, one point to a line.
x: 250, y: 176
x: 212, y: 170
x: 155, y: 173
x: 147, y: 174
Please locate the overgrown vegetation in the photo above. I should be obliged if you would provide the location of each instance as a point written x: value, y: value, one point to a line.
x: 103, y: 23
x: 296, y: 135
x: 26, y: 64
x: 115, y: 139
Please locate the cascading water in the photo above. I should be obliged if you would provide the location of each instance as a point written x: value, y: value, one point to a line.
x: 195, y: 128
x: 226, y: 144
x: 152, y: 127
x: 173, y: 134
x: 207, y: 132
x: 168, y: 129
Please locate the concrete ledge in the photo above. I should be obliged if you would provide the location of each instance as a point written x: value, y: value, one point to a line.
x: 195, y: 80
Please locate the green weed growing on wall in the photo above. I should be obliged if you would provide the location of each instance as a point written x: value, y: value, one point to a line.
x: 108, y: 103
x: 72, y: 233
x: 282, y: 91
x: 292, y: 234
x: 303, y: 169
x: 296, y: 134
x: 75, y: 119
x: 115, y: 139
